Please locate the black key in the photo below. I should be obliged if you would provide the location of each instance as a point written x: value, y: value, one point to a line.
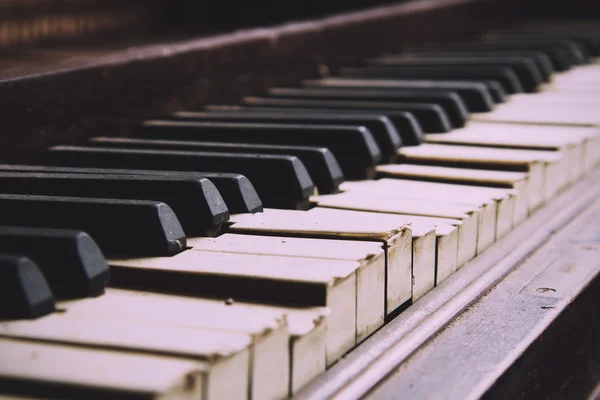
x: 496, y: 91
x: 70, y: 260
x: 383, y: 130
x: 504, y: 75
x: 24, y: 292
x: 237, y: 190
x: 564, y: 52
x: 196, y: 202
x: 353, y: 147
x: 322, y: 166
x: 431, y: 117
x: 541, y: 60
x: 404, y: 122
x: 526, y: 69
x: 450, y: 101
x: 281, y: 181
x: 124, y: 227
x: 475, y: 95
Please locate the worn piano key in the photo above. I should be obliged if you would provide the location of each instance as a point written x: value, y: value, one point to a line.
x: 431, y: 117
x: 488, y: 200
x: 136, y: 227
x: 423, y: 242
x: 370, y: 275
x: 395, y: 240
x: 226, y: 352
x: 525, y: 68
x: 572, y: 141
x: 517, y: 181
x: 320, y: 163
x: 450, y: 101
x: 281, y: 181
x: 447, y: 232
x: 196, y: 202
x: 70, y: 260
x: 475, y: 95
x: 267, y: 325
x: 471, y: 216
x: 547, y: 170
x: 98, y: 373
x: 278, y: 280
x: 24, y: 291
x: 383, y: 130
x: 353, y: 147
x: 237, y: 191
x: 505, y: 76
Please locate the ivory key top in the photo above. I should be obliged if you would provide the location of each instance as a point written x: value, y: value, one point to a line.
x: 547, y: 170
x: 369, y: 255
x: 517, y: 182
x: 495, y: 204
x: 94, y: 373
x: 395, y: 240
x: 269, y: 327
x: 285, y: 281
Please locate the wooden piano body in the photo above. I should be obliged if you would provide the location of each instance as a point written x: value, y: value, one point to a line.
x: 519, y: 321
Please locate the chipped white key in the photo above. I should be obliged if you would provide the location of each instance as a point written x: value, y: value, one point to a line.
x: 225, y: 356
x: 517, y: 181
x: 370, y: 276
x: 395, y: 240
x: 37, y: 369
x: 256, y: 278
x: 267, y: 326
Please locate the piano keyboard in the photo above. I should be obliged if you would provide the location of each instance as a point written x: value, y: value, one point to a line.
x: 251, y: 247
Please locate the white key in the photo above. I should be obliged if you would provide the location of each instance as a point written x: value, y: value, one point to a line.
x: 370, y: 256
x: 267, y: 326
x: 446, y: 231
x: 395, y: 240
x: 491, y: 204
x: 224, y: 357
x: 571, y: 140
x: 548, y: 170
x: 306, y: 281
x: 37, y: 368
x: 518, y: 182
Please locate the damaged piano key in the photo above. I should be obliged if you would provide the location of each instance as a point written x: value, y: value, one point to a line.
x: 196, y: 202
x: 353, y: 147
x: 505, y: 76
x: 431, y: 117
x: 281, y: 181
x: 293, y: 281
x: 320, y: 163
x: 450, y: 101
x: 24, y: 292
x: 237, y: 191
x: 132, y: 227
x: 383, y: 130
x: 70, y: 260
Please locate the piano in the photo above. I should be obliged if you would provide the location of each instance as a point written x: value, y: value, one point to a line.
x: 314, y: 200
